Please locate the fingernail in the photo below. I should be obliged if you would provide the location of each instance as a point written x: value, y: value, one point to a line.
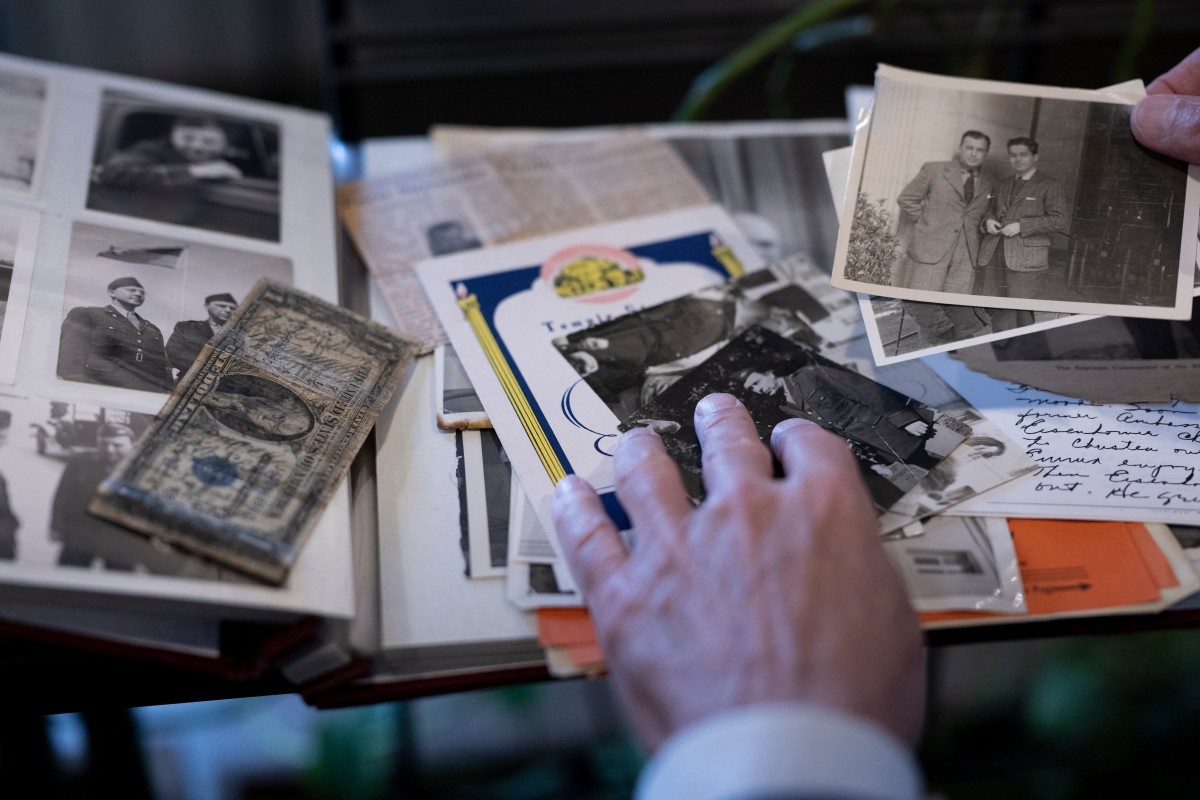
x: 789, y: 424
x: 634, y: 433
x: 571, y: 484
x: 712, y: 403
x: 1152, y: 116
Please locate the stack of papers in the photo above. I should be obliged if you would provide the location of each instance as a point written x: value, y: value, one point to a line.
x: 616, y: 297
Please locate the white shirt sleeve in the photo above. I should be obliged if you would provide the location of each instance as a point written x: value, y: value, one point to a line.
x: 780, y: 749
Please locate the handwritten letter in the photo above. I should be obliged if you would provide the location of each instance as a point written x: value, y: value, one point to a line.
x: 1130, y: 461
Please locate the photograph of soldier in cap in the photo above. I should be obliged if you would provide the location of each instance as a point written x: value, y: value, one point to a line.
x: 113, y: 345
x: 190, y: 336
x: 86, y: 538
x: 157, y: 283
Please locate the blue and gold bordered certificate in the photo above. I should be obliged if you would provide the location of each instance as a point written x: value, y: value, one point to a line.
x: 502, y: 306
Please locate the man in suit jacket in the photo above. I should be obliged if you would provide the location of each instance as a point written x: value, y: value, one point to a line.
x: 190, y: 336
x: 1025, y: 209
x: 944, y: 204
x: 112, y: 345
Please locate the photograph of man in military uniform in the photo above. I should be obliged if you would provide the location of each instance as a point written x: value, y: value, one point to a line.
x: 86, y: 538
x: 113, y: 345
x: 190, y: 336
x: 151, y: 284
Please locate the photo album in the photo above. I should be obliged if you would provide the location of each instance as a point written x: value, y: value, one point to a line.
x: 135, y: 217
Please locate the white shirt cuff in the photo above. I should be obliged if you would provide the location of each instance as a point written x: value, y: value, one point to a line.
x: 777, y: 749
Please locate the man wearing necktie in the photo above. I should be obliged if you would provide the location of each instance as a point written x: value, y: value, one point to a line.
x: 112, y: 345
x: 943, y: 206
x: 1015, y: 253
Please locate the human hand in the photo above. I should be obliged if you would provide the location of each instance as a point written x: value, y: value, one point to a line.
x: 991, y: 226
x: 917, y: 427
x: 1011, y: 229
x: 218, y: 170
x: 770, y: 590
x: 1168, y: 118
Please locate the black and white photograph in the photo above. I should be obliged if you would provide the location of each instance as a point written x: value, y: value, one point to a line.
x: 455, y: 401
x: 138, y: 308
x: 18, y: 238
x: 986, y: 459
x: 895, y: 439
x: 53, y: 454
x: 1108, y: 339
x: 892, y: 325
x: 960, y: 564
x: 531, y: 586
x: 904, y: 329
x: 1188, y: 537
x: 990, y: 202
x: 10, y: 233
x: 536, y: 577
x: 202, y: 168
x: 768, y: 175
x: 485, y: 498
x: 22, y: 110
x: 631, y: 359
x: 1105, y: 360
x: 450, y: 236
x: 61, y: 451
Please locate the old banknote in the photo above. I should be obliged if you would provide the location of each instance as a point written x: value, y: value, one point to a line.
x: 255, y: 438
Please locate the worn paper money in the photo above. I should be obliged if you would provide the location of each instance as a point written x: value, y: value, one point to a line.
x: 256, y: 437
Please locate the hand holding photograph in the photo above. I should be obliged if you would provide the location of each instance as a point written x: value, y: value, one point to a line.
x: 1018, y: 198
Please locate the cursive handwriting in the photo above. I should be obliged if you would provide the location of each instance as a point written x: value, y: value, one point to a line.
x: 1156, y: 419
x: 1090, y: 444
x: 1166, y: 475
x: 1110, y: 455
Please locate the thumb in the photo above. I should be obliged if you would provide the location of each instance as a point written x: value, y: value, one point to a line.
x: 1169, y: 124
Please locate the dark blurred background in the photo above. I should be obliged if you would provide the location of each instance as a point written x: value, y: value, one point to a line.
x: 385, y: 67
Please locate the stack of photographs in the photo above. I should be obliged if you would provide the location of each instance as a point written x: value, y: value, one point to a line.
x: 560, y: 373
